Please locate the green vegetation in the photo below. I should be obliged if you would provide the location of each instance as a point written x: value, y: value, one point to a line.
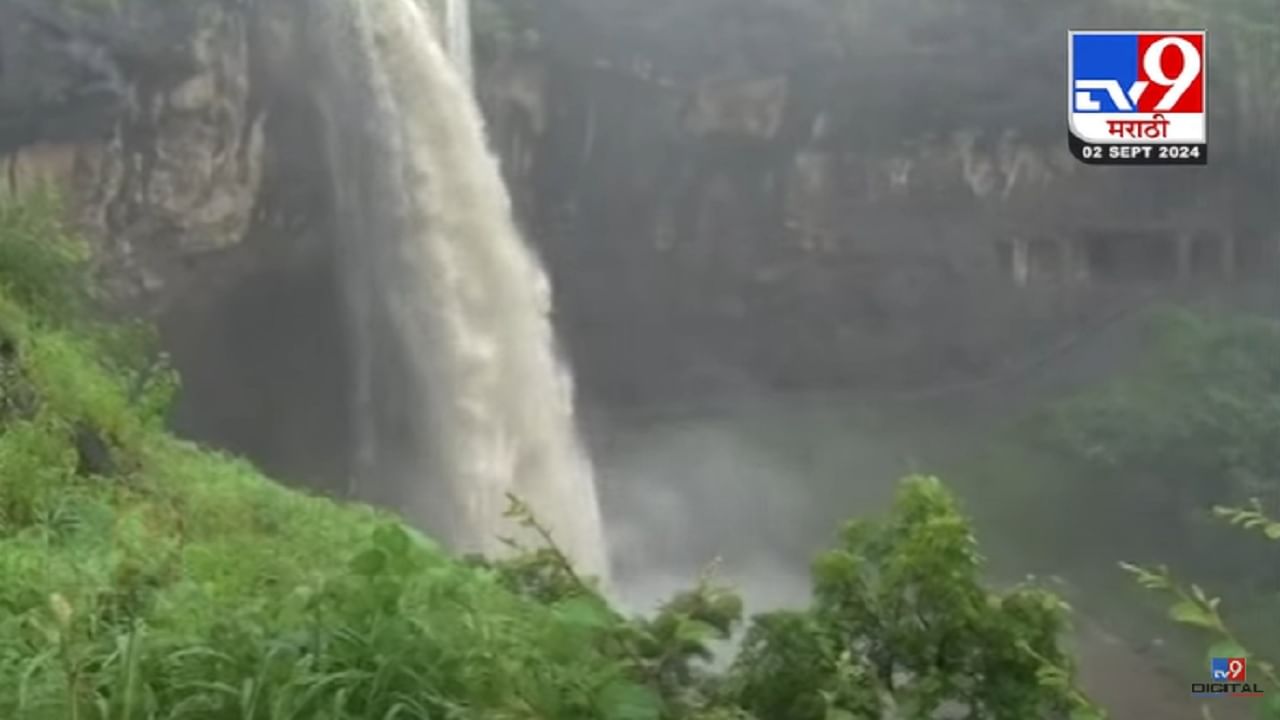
x: 1202, y: 420
x: 148, y: 578
x: 899, y: 610
x: 42, y: 268
x: 1193, y: 607
x: 1156, y: 459
x: 1192, y: 427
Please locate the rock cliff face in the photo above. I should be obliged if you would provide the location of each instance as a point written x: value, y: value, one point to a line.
x: 799, y: 194
x: 145, y: 118
x: 867, y: 194
x: 176, y: 133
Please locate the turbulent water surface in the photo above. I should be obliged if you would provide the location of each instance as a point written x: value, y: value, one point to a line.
x: 460, y: 395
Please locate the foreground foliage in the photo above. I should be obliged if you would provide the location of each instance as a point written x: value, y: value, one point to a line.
x: 1157, y: 459
x: 902, y: 627
x: 144, y: 577
x: 1192, y: 606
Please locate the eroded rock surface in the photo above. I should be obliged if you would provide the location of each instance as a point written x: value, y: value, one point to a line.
x: 145, y: 119
x: 871, y: 195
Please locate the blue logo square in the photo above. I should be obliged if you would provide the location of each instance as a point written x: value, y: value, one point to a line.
x: 1104, y: 57
x: 1218, y: 669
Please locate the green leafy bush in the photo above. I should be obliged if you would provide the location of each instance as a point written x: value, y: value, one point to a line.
x: 901, y: 619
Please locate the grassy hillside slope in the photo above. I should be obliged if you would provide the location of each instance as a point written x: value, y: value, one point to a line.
x: 146, y: 577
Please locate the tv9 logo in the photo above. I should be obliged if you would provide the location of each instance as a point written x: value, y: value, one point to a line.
x: 1137, y: 97
x: 1228, y: 669
x: 1228, y: 677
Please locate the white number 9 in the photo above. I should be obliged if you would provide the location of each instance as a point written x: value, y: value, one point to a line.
x: 1177, y: 86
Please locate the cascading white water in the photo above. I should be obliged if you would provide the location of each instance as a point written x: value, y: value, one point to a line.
x: 460, y: 397
x: 457, y: 35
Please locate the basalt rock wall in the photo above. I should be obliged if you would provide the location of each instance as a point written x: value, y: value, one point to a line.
x: 865, y: 195
x: 181, y: 141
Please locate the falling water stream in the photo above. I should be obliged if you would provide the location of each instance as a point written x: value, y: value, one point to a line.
x: 457, y: 36
x: 460, y: 396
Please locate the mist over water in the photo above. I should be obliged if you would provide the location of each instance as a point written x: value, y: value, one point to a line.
x: 460, y: 395
x: 698, y: 496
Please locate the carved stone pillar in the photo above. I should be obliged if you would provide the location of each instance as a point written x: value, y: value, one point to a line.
x: 1228, y: 255
x: 1073, y: 261
x: 1021, y: 261
x: 1185, y: 244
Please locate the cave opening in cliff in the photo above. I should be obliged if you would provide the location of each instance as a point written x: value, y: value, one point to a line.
x: 1123, y: 255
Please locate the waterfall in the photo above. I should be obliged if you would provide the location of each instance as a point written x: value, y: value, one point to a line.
x: 457, y: 35
x: 459, y: 394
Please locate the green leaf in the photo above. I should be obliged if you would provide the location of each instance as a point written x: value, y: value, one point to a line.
x: 693, y: 631
x: 1272, y: 531
x: 1189, y: 613
x: 727, y: 605
x: 1198, y: 593
x: 583, y: 612
x: 628, y: 701
x: 1151, y: 579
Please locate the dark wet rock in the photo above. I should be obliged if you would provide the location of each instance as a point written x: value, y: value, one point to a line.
x: 93, y: 452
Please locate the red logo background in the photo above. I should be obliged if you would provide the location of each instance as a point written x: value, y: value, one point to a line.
x: 1192, y: 101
